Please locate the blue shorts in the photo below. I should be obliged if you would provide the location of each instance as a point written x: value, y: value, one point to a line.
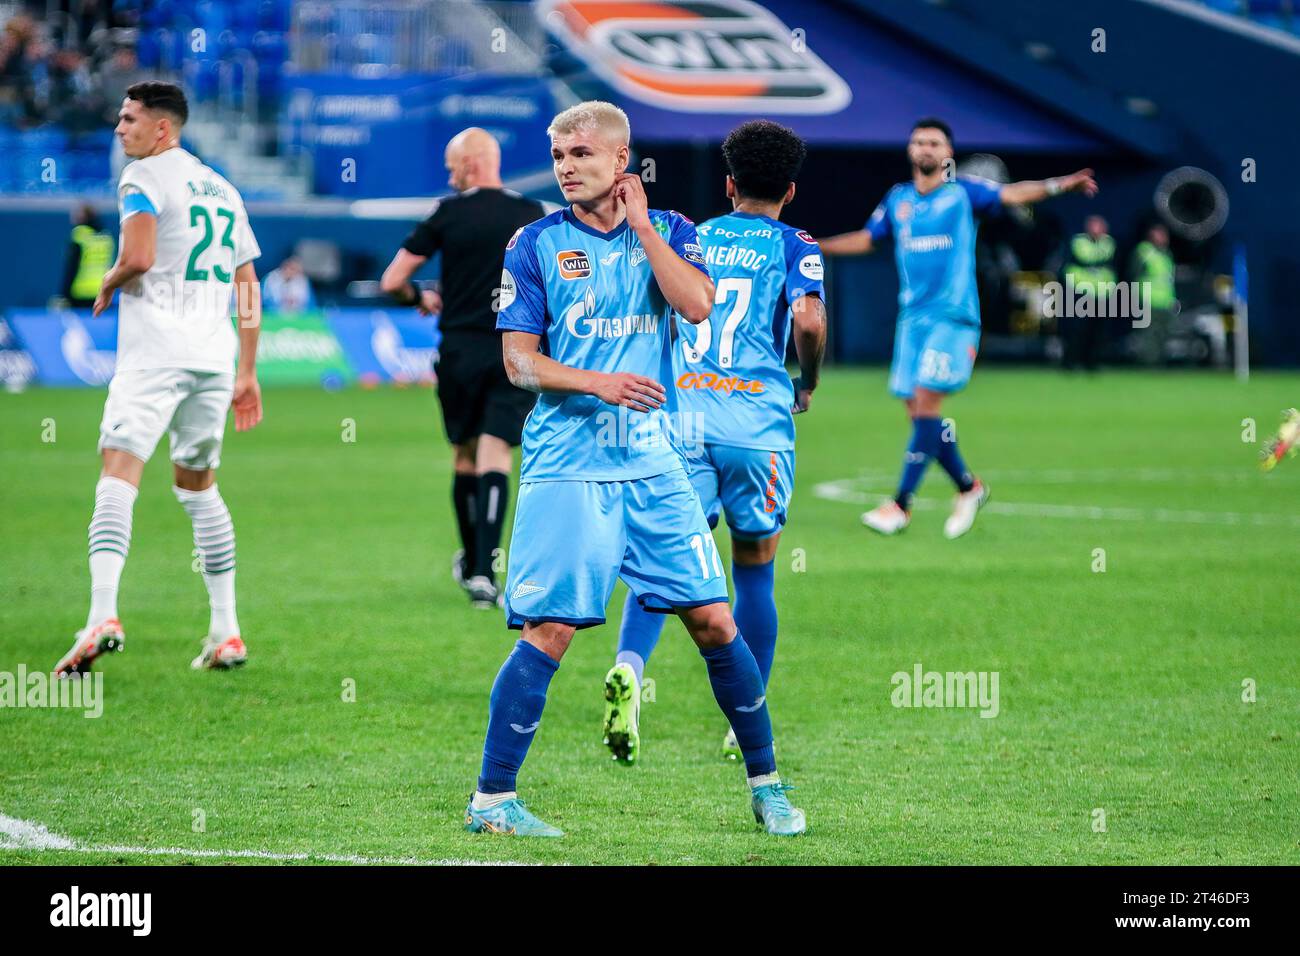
x: 750, y: 486
x: 573, y: 539
x: 932, y: 353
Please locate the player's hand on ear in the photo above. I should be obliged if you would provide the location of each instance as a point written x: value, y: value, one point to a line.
x: 636, y: 392
x: 247, y: 402
x: 628, y: 189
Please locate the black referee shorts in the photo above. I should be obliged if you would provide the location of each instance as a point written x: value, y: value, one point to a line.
x: 474, y: 392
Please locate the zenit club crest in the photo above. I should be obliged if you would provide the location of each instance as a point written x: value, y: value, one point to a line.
x: 725, y: 56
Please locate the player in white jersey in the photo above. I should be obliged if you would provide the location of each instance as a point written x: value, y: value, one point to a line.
x: 185, y: 246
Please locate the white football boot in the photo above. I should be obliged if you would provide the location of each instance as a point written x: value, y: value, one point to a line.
x: 221, y: 654
x: 964, y: 509
x: 91, y: 642
x: 888, y: 518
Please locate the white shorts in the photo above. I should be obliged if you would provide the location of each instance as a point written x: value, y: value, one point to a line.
x: 191, y: 407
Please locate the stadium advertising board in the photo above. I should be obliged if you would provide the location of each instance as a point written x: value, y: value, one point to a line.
x: 384, y: 136
x: 387, y: 346
x: 72, y: 348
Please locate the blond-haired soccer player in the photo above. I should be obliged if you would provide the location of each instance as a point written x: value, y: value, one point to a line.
x: 586, y: 298
x: 185, y: 247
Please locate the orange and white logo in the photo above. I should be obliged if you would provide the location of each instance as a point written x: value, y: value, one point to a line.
x: 723, y: 56
x: 727, y: 384
x: 574, y: 264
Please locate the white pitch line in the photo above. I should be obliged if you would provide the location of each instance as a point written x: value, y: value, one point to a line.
x: 18, y: 834
x: 844, y: 490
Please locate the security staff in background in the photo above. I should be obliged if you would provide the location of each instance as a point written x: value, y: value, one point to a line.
x: 482, y: 412
x: 1090, y: 262
x: 90, y: 256
x: 1152, y: 265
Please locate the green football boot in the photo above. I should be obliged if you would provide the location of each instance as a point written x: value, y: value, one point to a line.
x: 622, y: 711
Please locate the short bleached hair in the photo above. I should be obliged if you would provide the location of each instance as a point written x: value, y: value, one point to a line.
x: 593, y: 115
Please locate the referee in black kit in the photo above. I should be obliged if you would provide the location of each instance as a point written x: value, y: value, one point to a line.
x: 482, y: 412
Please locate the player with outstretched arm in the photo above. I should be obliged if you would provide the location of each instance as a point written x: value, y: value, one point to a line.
x: 932, y: 220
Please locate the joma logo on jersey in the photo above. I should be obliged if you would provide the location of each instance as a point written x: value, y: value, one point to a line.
x: 728, y: 56
x: 574, y: 264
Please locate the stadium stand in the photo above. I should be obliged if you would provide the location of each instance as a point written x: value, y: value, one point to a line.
x: 285, y: 95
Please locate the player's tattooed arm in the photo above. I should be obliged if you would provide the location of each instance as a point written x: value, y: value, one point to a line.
x: 688, y: 290
x: 529, y: 369
x: 810, y: 345
x: 1031, y: 191
x: 247, y: 398
x: 854, y: 243
x: 134, y: 259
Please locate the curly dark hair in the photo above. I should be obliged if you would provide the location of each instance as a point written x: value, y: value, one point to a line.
x: 763, y: 159
x: 163, y: 97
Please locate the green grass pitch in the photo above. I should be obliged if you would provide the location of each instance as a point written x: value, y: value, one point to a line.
x: 1121, y: 692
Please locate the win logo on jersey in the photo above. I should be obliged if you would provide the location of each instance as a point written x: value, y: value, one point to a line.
x: 725, y: 56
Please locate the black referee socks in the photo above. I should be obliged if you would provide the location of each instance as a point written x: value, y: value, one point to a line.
x: 463, y: 490
x: 491, y: 498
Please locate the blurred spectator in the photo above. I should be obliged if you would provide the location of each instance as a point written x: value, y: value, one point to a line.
x: 74, y: 100
x: 286, y: 289
x: 1152, y: 265
x: 1090, y: 267
x: 90, y: 255
x: 17, y: 94
x: 121, y: 70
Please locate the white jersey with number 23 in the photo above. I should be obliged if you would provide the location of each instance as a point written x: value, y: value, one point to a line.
x: 178, y: 314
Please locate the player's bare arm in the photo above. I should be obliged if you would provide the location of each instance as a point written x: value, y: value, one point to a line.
x: 396, y: 282
x: 856, y: 243
x: 688, y: 290
x: 529, y: 369
x: 810, y: 345
x: 1030, y: 191
x: 134, y: 259
x: 247, y: 398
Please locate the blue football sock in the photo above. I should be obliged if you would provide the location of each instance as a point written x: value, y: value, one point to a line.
x: 951, y: 460
x: 755, y: 611
x: 927, y: 434
x: 638, y: 634
x: 738, y: 688
x: 515, y: 710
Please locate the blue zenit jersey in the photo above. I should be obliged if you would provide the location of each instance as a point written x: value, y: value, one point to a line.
x: 729, y: 370
x: 934, y: 246
x: 593, y: 299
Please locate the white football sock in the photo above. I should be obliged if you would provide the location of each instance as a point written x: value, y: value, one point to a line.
x: 214, y: 537
x: 486, y: 801
x: 763, y: 779
x: 110, y: 539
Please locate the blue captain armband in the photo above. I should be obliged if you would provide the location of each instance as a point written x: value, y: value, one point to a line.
x: 135, y: 202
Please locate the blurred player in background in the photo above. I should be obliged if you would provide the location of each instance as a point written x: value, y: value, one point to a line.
x: 587, y: 293
x: 932, y: 220
x: 1284, y: 443
x: 737, y: 402
x: 185, y: 246
x: 482, y: 411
